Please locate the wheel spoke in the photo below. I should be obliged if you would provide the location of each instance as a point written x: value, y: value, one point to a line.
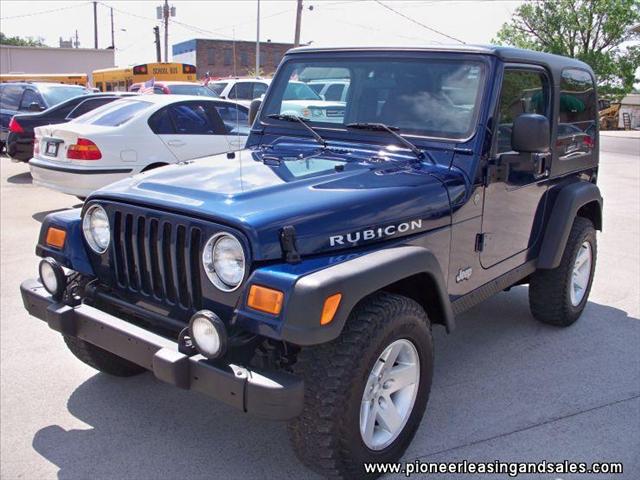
x: 401, y: 376
x: 388, y: 416
x: 391, y: 355
x: 368, y: 423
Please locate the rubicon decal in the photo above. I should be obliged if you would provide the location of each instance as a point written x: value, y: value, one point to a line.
x: 353, y: 238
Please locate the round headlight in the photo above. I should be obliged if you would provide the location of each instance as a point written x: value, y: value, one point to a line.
x: 223, y: 259
x: 95, y: 226
x: 208, y: 334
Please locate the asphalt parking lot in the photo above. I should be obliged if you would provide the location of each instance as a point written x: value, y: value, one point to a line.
x: 505, y: 387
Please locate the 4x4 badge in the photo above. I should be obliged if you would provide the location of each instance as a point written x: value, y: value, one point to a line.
x: 464, y: 274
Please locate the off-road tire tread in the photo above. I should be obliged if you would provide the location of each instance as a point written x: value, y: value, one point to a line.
x: 101, y: 359
x: 315, y: 435
x: 549, y: 288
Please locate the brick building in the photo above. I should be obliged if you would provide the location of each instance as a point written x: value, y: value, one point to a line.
x: 216, y: 56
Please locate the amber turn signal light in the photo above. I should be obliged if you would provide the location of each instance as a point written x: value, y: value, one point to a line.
x: 56, y: 237
x: 330, y: 308
x: 265, y: 299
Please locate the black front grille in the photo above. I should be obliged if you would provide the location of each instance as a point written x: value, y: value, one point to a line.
x: 157, y: 258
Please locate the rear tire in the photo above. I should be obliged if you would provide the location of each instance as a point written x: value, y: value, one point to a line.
x: 340, y: 377
x: 102, y: 360
x: 551, y: 298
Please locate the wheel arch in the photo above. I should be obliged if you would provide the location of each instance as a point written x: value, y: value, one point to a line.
x: 407, y: 270
x: 578, y: 199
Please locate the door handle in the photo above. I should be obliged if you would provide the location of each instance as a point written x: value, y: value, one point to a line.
x: 176, y: 143
x: 541, y: 165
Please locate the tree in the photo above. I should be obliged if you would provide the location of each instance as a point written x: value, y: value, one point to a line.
x: 21, y: 42
x: 598, y: 32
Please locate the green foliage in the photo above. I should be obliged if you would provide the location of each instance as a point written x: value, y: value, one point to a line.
x: 594, y: 31
x: 21, y: 42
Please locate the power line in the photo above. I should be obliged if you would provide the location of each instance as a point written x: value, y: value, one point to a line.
x: 45, y: 11
x: 418, y: 23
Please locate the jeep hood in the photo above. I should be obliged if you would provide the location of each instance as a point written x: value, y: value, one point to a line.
x: 336, y: 199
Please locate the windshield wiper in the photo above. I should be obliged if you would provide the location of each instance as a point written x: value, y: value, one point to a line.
x: 301, y: 121
x: 381, y: 127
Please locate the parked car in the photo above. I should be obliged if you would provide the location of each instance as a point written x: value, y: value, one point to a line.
x: 301, y: 279
x: 176, y: 88
x: 241, y: 90
x: 301, y: 100
x: 329, y: 89
x: 21, y: 126
x: 17, y: 97
x: 133, y: 135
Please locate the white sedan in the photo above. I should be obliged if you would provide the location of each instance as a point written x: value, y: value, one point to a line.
x: 133, y: 135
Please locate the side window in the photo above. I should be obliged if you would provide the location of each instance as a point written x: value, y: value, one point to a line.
x: 28, y: 98
x: 522, y: 91
x: 109, y: 87
x: 193, y: 119
x: 241, y: 91
x: 99, y: 86
x: 578, y: 114
x: 89, y: 105
x: 259, y: 89
x: 158, y: 90
x: 334, y: 92
x: 11, y: 95
x: 161, y: 123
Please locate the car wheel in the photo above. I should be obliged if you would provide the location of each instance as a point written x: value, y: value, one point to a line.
x: 558, y: 296
x: 366, y: 391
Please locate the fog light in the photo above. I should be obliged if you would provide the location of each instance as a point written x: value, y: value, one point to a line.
x: 208, y: 334
x: 52, y: 277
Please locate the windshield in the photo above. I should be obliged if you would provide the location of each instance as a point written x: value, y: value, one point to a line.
x: 217, y: 88
x: 422, y: 96
x: 114, y: 114
x: 192, y: 90
x: 57, y: 94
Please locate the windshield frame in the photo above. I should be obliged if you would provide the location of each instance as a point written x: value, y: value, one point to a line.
x: 483, y: 60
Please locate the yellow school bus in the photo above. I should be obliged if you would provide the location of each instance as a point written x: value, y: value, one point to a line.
x: 120, y: 79
x: 68, y: 78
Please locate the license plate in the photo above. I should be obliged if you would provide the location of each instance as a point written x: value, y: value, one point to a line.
x: 52, y: 149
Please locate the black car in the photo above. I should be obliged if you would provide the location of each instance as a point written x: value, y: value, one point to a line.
x: 20, y: 139
x: 17, y: 97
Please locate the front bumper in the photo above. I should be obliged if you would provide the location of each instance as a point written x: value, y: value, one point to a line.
x: 274, y: 395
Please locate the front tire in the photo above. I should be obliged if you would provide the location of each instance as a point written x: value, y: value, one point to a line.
x: 101, y: 359
x: 558, y: 296
x: 332, y: 434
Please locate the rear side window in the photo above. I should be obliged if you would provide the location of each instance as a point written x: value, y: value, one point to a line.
x: 196, y: 119
x: 114, y: 114
x: 28, y: 98
x: 89, y: 105
x: 578, y: 107
x: 161, y: 123
x: 10, y: 96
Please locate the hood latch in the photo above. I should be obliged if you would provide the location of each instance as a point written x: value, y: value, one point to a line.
x: 288, y: 244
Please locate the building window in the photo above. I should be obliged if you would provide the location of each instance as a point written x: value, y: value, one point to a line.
x: 211, y: 56
x: 244, y: 58
x: 228, y: 57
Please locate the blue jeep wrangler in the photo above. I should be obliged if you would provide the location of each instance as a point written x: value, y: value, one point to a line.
x: 299, y: 279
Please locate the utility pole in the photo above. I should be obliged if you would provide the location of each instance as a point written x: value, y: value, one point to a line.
x: 156, y: 33
x: 166, y: 30
x: 77, y: 44
x: 95, y: 25
x: 258, y: 41
x: 296, y: 40
x: 113, y: 37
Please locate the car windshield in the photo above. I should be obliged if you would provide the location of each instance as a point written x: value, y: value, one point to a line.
x: 425, y: 96
x: 55, y: 94
x: 192, y: 90
x: 114, y: 114
x: 217, y: 87
x: 300, y: 91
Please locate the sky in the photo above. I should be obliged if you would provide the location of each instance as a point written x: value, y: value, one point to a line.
x: 324, y: 22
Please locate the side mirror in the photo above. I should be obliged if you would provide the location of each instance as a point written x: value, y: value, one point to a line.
x: 35, y: 107
x: 530, y: 133
x: 254, y: 107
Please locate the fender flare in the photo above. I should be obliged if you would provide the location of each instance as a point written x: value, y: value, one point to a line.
x: 355, y: 279
x: 565, y: 208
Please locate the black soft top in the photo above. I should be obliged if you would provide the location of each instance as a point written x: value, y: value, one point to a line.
x: 555, y: 63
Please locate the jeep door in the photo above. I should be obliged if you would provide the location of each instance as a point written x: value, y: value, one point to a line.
x: 190, y: 129
x: 517, y: 181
